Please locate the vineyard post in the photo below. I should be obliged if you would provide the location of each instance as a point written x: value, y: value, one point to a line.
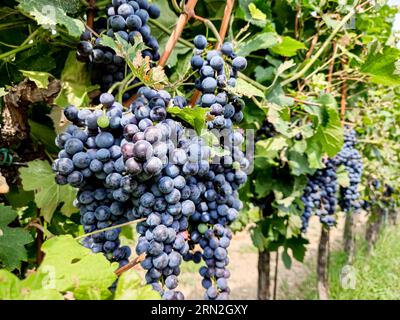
x: 322, y: 263
x: 264, y: 270
x: 264, y: 282
x: 276, y: 274
x: 374, y: 226
x: 348, y: 237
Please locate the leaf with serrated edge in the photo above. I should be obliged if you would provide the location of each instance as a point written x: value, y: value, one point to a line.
x: 49, y: 14
x: 130, y: 287
x: 12, y: 240
x: 288, y: 47
x: 244, y: 88
x: 73, y: 270
x: 41, y: 79
x: 259, y: 41
x: 39, y: 177
x: 196, y: 116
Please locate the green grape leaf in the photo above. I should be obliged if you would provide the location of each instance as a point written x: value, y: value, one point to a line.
x: 39, y: 177
x: 196, y: 116
x: 41, y: 79
x: 244, y: 88
x: 288, y: 47
x: 298, y: 163
x: 277, y: 95
x: 264, y: 74
x: 329, y: 133
x: 130, y: 287
x: 256, y: 13
x: 258, y: 238
x: 314, y: 153
x: 287, y: 260
x: 383, y: 67
x: 260, y: 41
x: 70, y: 267
x: 50, y: 14
x: 10, y: 287
x: 75, y: 84
x: 270, y: 148
x: 279, y: 116
x: 12, y: 240
x: 41, y: 133
x: 298, y: 247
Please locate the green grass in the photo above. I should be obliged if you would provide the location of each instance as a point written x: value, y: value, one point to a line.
x: 377, y: 275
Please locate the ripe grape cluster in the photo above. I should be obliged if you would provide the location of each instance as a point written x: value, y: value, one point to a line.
x: 141, y: 164
x: 214, y: 76
x: 129, y: 20
x: 218, y: 204
x: 91, y: 160
x: 320, y: 195
x: 351, y: 159
x: 266, y: 131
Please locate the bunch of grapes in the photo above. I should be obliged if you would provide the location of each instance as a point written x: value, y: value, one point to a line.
x: 129, y: 20
x: 91, y: 160
x: 320, y: 195
x: 266, y: 131
x: 141, y: 164
x: 157, y: 155
x: 215, y: 75
x: 217, y: 183
x: 351, y: 159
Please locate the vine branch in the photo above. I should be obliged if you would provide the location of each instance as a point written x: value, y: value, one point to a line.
x: 130, y: 265
x: 225, y: 21
x: 91, y: 11
x: 331, y: 65
x: 175, y: 35
x: 321, y: 49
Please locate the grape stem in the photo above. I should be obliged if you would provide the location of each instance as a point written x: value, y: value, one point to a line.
x: 175, y: 35
x: 210, y: 25
x: 331, y: 65
x: 343, y: 101
x: 176, y: 7
x: 130, y: 265
x: 321, y: 49
x: 110, y: 228
x: 15, y: 51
